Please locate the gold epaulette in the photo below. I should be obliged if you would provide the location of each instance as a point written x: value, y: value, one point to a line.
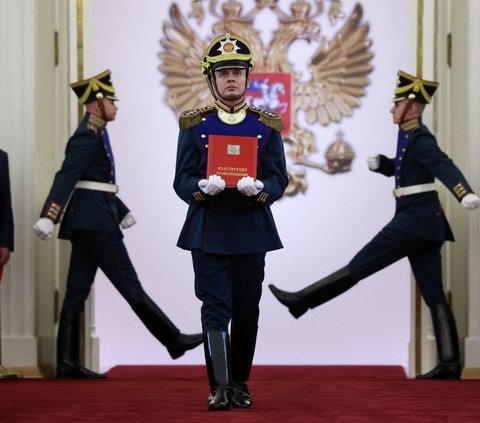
x: 94, y: 122
x: 269, y: 118
x: 193, y: 117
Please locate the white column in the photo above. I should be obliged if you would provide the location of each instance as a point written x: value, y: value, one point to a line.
x: 18, y: 122
x: 35, y: 126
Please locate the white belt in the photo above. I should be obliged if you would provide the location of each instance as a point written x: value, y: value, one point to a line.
x: 97, y: 186
x: 413, y: 189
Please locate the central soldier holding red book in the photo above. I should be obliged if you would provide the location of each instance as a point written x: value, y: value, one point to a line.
x: 230, y: 169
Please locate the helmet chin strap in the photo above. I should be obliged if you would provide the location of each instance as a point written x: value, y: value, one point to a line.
x: 407, y: 108
x: 101, y: 106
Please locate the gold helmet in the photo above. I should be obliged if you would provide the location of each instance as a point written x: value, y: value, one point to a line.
x: 225, y: 51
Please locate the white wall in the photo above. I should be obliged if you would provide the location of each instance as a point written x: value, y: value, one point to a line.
x: 321, y: 229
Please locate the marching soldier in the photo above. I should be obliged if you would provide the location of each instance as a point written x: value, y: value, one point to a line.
x: 83, y: 197
x: 417, y: 230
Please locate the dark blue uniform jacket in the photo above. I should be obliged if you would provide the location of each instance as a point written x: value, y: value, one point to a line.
x: 86, y: 158
x: 420, y: 162
x: 229, y: 223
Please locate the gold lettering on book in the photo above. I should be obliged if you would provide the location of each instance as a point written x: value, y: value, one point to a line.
x: 231, y: 169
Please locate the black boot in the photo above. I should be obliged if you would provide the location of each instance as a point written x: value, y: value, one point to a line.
x: 68, y: 349
x: 446, y: 338
x: 217, y: 359
x: 242, y: 349
x: 318, y: 293
x: 164, y: 330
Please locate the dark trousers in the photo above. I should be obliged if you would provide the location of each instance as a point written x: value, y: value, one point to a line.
x: 389, y: 246
x: 107, y: 252
x: 230, y: 288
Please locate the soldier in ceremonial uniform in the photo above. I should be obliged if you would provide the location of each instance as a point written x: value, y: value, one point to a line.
x: 417, y: 230
x: 229, y: 229
x: 83, y: 197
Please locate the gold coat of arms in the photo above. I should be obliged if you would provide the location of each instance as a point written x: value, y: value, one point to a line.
x: 337, y: 73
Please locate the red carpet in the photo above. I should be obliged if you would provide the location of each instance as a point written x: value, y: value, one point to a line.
x: 330, y: 394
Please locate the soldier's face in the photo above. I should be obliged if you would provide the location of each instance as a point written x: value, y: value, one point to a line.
x: 231, y: 84
x: 110, y: 109
x: 404, y: 110
x: 397, y: 111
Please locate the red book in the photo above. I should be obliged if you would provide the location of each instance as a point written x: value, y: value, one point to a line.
x: 232, y: 157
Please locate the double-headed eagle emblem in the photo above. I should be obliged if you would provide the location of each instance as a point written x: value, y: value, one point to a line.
x: 339, y: 70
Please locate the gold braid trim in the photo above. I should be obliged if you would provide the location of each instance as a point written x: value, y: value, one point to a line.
x: 410, y: 124
x: 199, y: 196
x: 262, y: 198
x: 95, y: 120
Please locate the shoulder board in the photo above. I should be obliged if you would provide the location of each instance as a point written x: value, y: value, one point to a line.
x: 94, y: 122
x: 190, y: 118
x: 269, y: 118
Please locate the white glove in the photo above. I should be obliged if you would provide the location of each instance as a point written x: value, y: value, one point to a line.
x: 213, y: 185
x: 43, y: 228
x: 127, y: 221
x: 470, y: 201
x: 249, y: 186
x: 373, y: 162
